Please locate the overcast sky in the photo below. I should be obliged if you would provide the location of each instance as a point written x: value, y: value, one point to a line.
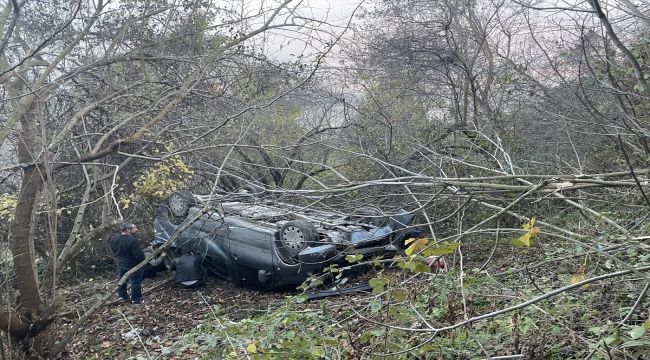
x: 286, y: 45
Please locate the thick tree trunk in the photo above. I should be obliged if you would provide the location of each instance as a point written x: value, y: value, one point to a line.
x: 35, y: 315
x: 21, y: 242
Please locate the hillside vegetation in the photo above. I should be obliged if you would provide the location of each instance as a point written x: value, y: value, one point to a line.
x: 516, y: 132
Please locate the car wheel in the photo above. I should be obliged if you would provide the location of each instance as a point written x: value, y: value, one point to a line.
x: 368, y: 215
x: 180, y: 202
x: 296, y: 236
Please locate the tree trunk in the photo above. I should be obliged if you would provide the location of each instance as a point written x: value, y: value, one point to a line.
x: 21, y: 242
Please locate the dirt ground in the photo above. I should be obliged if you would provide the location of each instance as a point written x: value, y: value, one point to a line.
x: 120, y: 330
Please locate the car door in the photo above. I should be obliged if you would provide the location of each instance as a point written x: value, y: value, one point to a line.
x: 251, y: 250
x: 208, y: 237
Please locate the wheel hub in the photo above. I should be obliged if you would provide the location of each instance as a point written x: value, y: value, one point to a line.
x: 176, y: 203
x: 293, y: 238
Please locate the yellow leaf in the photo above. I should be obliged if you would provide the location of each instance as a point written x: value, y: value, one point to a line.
x: 526, y: 239
x: 417, y: 245
x: 530, y: 224
x: 251, y: 349
x: 579, y: 276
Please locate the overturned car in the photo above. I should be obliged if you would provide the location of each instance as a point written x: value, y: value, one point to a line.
x: 264, y: 244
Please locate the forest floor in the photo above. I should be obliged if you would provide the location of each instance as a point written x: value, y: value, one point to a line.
x: 567, y: 325
x: 121, y: 330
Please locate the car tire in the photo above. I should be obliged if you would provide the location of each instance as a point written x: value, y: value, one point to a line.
x: 296, y: 236
x: 180, y: 202
x: 369, y: 215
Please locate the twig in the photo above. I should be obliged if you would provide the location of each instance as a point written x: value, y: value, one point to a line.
x: 232, y: 345
x: 136, y: 334
x: 541, y: 263
x: 638, y: 302
x: 533, y: 280
x: 608, y: 352
x: 98, y: 304
x: 531, y: 189
x: 462, y: 294
x: 627, y: 160
x: 514, y: 307
x: 496, y: 244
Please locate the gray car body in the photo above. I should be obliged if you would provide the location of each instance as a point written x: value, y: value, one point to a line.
x: 241, y: 240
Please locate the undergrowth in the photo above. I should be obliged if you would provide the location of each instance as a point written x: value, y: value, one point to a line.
x: 468, y: 312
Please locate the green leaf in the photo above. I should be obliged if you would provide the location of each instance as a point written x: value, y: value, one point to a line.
x: 609, y: 340
x: 365, y: 337
x: 375, y: 306
x: 400, y: 295
x: 378, y: 284
x: 596, y: 330
x: 410, y: 265
x: 634, y: 343
x: 421, y: 268
x: 637, y: 332
x: 518, y: 243
x: 441, y: 249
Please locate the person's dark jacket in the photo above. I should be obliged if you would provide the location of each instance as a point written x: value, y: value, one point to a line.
x: 128, y: 250
x: 188, y: 267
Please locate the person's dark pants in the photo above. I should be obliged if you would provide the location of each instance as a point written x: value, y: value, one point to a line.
x: 151, y: 271
x: 136, y: 284
x: 193, y: 286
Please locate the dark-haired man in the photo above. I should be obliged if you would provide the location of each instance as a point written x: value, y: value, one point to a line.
x: 190, y: 270
x: 129, y: 254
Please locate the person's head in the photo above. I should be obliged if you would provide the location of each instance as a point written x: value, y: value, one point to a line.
x: 156, y: 246
x: 128, y: 228
x: 188, y: 252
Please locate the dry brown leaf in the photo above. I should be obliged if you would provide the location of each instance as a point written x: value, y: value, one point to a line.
x: 579, y: 276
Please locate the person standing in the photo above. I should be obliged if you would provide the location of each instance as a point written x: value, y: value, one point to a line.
x: 190, y: 272
x: 129, y: 254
